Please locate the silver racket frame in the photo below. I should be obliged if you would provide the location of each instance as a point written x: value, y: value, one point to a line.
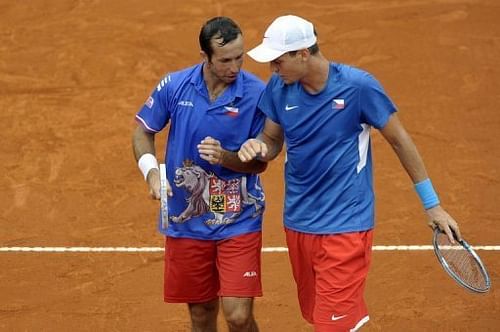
x: 164, y: 222
x: 452, y: 274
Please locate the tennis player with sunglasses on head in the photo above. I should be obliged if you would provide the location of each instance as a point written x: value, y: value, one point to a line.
x: 324, y: 111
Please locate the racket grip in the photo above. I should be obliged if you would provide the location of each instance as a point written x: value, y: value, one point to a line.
x: 163, y: 197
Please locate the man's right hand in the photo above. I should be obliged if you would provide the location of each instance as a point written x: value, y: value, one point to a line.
x: 252, y: 149
x: 153, y: 180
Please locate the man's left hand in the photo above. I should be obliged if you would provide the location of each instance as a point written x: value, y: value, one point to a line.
x: 438, y: 217
x: 211, y: 150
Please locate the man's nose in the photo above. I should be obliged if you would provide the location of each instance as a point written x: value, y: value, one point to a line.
x: 235, y: 67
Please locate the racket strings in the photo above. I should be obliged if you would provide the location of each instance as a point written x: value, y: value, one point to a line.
x: 461, y: 263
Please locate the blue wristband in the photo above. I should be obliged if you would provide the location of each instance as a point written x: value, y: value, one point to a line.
x: 427, y: 194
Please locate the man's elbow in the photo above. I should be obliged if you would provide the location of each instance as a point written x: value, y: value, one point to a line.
x: 262, y: 166
x: 258, y: 166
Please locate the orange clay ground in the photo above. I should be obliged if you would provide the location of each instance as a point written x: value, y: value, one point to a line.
x: 72, y: 76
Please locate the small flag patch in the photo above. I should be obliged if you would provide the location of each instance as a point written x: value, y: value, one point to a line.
x: 231, y: 111
x: 338, y: 104
x: 149, y: 103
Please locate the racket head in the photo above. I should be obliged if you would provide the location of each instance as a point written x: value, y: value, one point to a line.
x: 461, y: 262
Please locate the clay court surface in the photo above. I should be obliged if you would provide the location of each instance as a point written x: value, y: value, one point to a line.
x: 72, y: 76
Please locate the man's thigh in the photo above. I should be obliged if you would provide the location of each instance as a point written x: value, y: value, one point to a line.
x: 190, y: 271
x: 239, y: 266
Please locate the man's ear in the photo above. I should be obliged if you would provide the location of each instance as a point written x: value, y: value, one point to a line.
x: 305, y: 54
x: 204, y: 56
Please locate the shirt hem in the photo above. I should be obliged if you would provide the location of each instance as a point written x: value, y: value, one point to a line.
x: 212, y: 238
x: 324, y: 232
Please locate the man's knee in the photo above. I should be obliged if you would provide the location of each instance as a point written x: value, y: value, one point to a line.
x: 204, y: 313
x: 239, y: 319
x: 239, y: 314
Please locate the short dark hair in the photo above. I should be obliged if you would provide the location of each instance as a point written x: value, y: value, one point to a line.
x: 312, y: 49
x: 219, y: 27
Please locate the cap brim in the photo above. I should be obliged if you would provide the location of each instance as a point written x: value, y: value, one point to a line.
x: 263, y: 53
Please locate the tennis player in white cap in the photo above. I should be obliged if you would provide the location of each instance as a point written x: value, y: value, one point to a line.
x: 324, y: 112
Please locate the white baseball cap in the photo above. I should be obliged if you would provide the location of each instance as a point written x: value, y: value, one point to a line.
x: 286, y: 33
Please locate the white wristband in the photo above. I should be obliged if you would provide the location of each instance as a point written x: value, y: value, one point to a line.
x: 146, y: 163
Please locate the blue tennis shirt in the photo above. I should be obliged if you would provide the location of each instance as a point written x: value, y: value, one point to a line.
x: 328, y: 168
x: 210, y: 202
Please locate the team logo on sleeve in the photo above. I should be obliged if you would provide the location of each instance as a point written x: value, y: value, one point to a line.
x: 150, y: 102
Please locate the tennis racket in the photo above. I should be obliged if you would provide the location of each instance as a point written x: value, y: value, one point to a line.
x: 461, y: 262
x: 163, y: 197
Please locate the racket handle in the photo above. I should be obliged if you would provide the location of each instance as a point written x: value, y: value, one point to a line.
x: 163, y: 196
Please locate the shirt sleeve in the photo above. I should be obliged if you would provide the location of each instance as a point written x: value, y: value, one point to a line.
x: 258, y: 121
x: 376, y: 106
x: 266, y: 103
x: 155, y: 113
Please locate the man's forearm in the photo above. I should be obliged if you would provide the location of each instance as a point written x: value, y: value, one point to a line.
x: 411, y: 160
x: 274, y: 146
x: 231, y: 161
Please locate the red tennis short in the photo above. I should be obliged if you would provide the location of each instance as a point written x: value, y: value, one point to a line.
x: 198, y: 271
x: 330, y: 272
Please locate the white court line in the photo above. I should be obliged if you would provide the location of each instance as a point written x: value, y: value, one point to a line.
x: 160, y: 249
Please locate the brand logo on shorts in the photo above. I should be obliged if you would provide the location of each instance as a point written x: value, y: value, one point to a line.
x: 337, y: 317
x: 250, y: 274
